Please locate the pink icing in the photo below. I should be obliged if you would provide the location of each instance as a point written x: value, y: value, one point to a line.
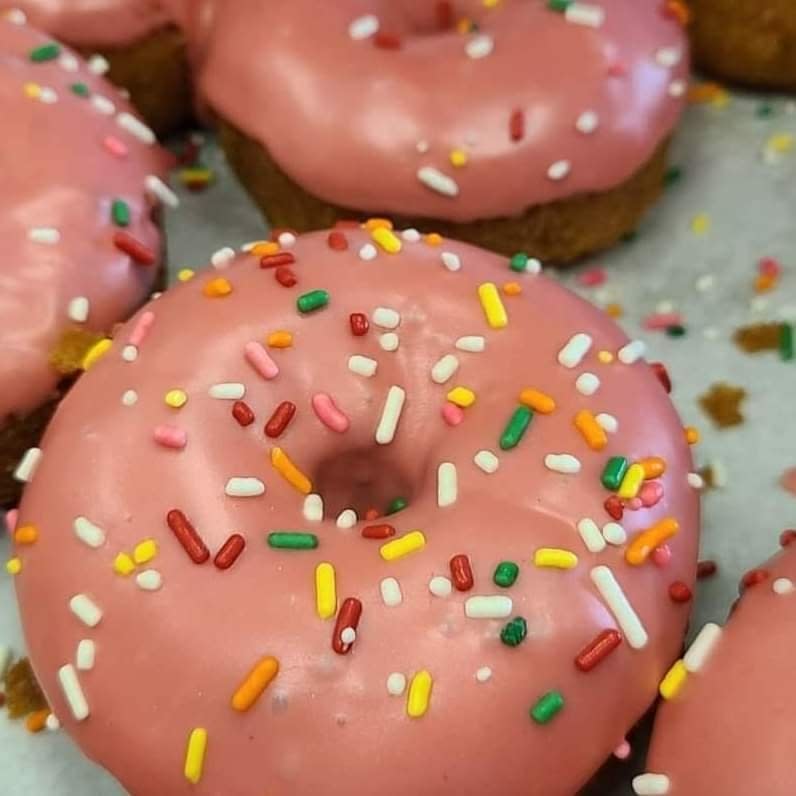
x: 345, y: 118
x: 169, y: 661
x: 57, y: 175
x: 729, y: 732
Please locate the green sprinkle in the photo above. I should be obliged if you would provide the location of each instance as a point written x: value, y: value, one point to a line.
x: 613, y: 472
x: 81, y: 89
x: 396, y: 505
x: 673, y: 175
x: 516, y: 427
x: 559, y: 5
x: 292, y: 540
x: 786, y: 342
x: 518, y: 261
x: 514, y: 632
x: 120, y: 213
x: 506, y: 573
x: 314, y: 300
x: 547, y: 706
x: 46, y: 52
x: 675, y: 330
x: 764, y: 110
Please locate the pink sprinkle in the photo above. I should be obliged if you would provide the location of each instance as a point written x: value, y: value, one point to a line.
x: 663, y: 320
x: 622, y: 752
x: 634, y: 504
x: 11, y: 519
x: 141, y: 328
x: 592, y: 277
x: 171, y: 437
x: 661, y: 556
x: 260, y: 360
x: 768, y: 266
x: 617, y: 69
x: 328, y: 413
x: 115, y: 146
x: 650, y: 493
x: 452, y: 414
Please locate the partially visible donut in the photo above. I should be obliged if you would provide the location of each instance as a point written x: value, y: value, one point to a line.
x: 364, y: 511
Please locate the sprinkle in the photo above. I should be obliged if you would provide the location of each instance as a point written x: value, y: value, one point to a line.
x: 514, y: 632
x: 142, y: 326
x: 440, y: 586
x: 102, y: 105
x: 653, y: 466
x: 386, y: 318
x: 679, y: 592
x: 590, y: 533
x: 254, y: 684
x: 277, y: 260
x: 96, y: 352
x: 673, y: 681
x: 145, y: 551
x: 492, y: 305
x: 695, y: 480
x: 642, y: 546
x: 347, y: 518
x: 14, y: 566
x: 538, y: 401
x: 260, y: 360
x: 472, y: 343
x: 598, y: 649
x: 77, y: 310
x: 631, y: 483
x: 505, y: 574
x: 313, y: 508
x: 617, y: 602
x: 691, y: 435
x: 325, y: 590
x: 701, y: 647
x: 706, y: 569
x: 149, y: 580
x: 587, y: 122
x: 390, y: 415
x: 389, y: 341
x: 135, y: 127
x: 284, y: 466
x: 547, y: 706
x: 187, y: 536
x: 176, y: 399
x: 418, y: 697
x: 26, y: 468
x: 487, y: 461
x: 591, y: 431
x: 88, y: 533
x: 614, y: 533
x: 359, y: 323
x: 516, y: 427
x: 73, y: 693
x: 227, y: 391
x: 123, y: 565
x: 312, y: 301
x: 632, y: 352
x: 782, y: 586
x: 614, y: 472
x: 437, y: 181
x: 559, y: 170
x: 461, y: 572
x: 447, y: 484
x: 45, y: 52
x: 155, y: 186
x: 651, y: 785
x: 222, y: 257
x: 244, y: 486
x: 48, y: 236
x: 86, y: 651
x: 517, y: 125
x: 410, y: 235
x: 555, y: 558
x: 479, y: 46
x: 229, y: 552
x: 368, y: 252
x: 461, y: 396
x: 571, y: 355
x: 387, y: 240
x: 495, y: 606
x: 86, y: 610
x: 587, y: 384
x: 285, y: 276
x: 483, y: 675
x: 337, y: 241
x: 444, y: 369
x: 329, y: 414
x: 403, y: 546
x: 562, y: 463
x: 363, y: 27
x: 292, y: 540
x: 391, y: 592
x: 280, y: 419
x: 195, y: 755
x: 396, y: 505
x: 345, y: 627
x: 608, y: 422
x: 396, y: 684
x: 452, y: 414
x: 451, y: 261
x: 381, y: 531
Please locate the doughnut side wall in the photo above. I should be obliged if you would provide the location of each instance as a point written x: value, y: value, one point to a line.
x: 392, y: 677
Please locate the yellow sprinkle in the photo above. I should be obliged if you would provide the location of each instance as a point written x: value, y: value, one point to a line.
x: 458, y: 158
x: 123, y: 564
x: 674, y: 680
x: 605, y: 357
x: 325, y: 590
x: 538, y: 401
x: 387, y: 239
x: 418, y: 697
x: 691, y: 435
x: 631, y: 483
x: 614, y: 310
x: 280, y: 339
x: 433, y: 239
x: 264, y: 248
x: 377, y: 223
x: 145, y: 551
x: 96, y: 352
x: 492, y: 305
x: 591, y: 431
x: 195, y: 755
x: 217, y: 288
x: 461, y: 396
x: 285, y: 467
x: 14, y: 566
x: 176, y: 399
x: 780, y: 142
x: 185, y: 274
x: 555, y: 557
x: 32, y: 90
x: 512, y: 288
x: 403, y: 545
x: 700, y: 223
x: 491, y: 3
x: 26, y: 534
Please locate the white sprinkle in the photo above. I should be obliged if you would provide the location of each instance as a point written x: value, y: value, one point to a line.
x: 487, y: 461
x: 135, y: 127
x: 78, y: 309
x: 368, y: 252
x: 386, y: 317
x: 474, y: 343
x: 587, y: 14
x: 651, y: 785
x: 129, y: 398
x: 130, y: 353
x: 440, y: 586
x: 347, y: 518
x: 677, y: 88
x: 701, y: 647
x: 587, y: 384
x: 705, y: 282
x: 75, y: 698
x: 86, y: 610
x: 391, y: 592
x: 287, y: 240
x: 222, y: 257
x: 49, y: 236
x: 362, y: 366
x: 102, y: 105
x: 479, y: 46
x: 483, y: 674
x: 587, y: 122
x: 244, y: 487
x: 364, y: 27
x: 628, y: 620
x: 390, y: 415
x: 780, y: 586
x: 608, y: 423
x: 562, y: 463
x: 493, y: 606
x: 447, y: 484
x: 571, y: 355
x: 559, y: 170
x: 86, y: 651
x: 668, y: 56
x: 313, y: 508
x: 614, y: 533
x: 695, y: 481
x: 52, y: 723
x: 155, y: 186
x: 68, y: 62
x: 632, y: 352
x: 5, y: 659
x: 422, y: 146
x: 437, y: 181
x: 149, y: 580
x: 227, y: 390
x: 411, y: 235
x: 590, y: 533
x: 396, y: 684
x: 48, y: 96
x: 348, y: 635
x: 98, y: 64
x: 664, y: 306
x: 88, y: 532
x: 27, y: 466
x: 389, y: 341
x: 444, y: 369
x: 451, y: 261
x: 16, y: 16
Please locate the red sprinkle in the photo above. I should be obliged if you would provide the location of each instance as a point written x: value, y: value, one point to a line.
x: 659, y: 369
x: 679, y: 592
x: 387, y: 41
x: 230, y: 551
x: 337, y: 241
x: 350, y: 612
x: 275, y: 260
x: 613, y: 505
x: 786, y: 537
x: 242, y: 413
x: 706, y: 569
x: 280, y: 419
x: 378, y: 531
x: 126, y: 243
x: 359, y: 323
x: 285, y: 276
x: 592, y: 277
x: 598, y: 649
x: 372, y: 514
x: 187, y: 536
x: 768, y: 266
x: 517, y: 125
x: 461, y: 572
x: 753, y: 578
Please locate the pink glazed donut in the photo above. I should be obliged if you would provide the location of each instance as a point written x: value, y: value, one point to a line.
x: 331, y: 518
x: 728, y: 728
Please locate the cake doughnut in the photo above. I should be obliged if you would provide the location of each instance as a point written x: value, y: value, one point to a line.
x: 81, y: 176
x: 517, y: 125
x: 144, y: 50
x: 727, y: 726
x: 357, y: 519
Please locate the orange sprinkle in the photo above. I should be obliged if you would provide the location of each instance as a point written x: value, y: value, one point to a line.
x: 377, y: 223
x: 257, y: 680
x: 538, y: 401
x: 280, y: 339
x: 37, y: 721
x: 679, y: 10
x: 640, y: 549
x: 265, y: 248
x: 26, y: 534
x: 512, y: 288
x: 654, y: 467
x: 700, y: 93
x: 433, y: 239
x: 691, y: 435
x: 217, y: 288
x: 765, y: 282
x: 614, y: 310
x: 606, y: 357
x: 591, y: 430
x: 464, y: 25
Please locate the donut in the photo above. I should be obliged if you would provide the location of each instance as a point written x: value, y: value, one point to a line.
x: 727, y: 722
x: 80, y: 248
x: 749, y: 42
x: 352, y: 514
x: 142, y: 49
x: 518, y: 125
